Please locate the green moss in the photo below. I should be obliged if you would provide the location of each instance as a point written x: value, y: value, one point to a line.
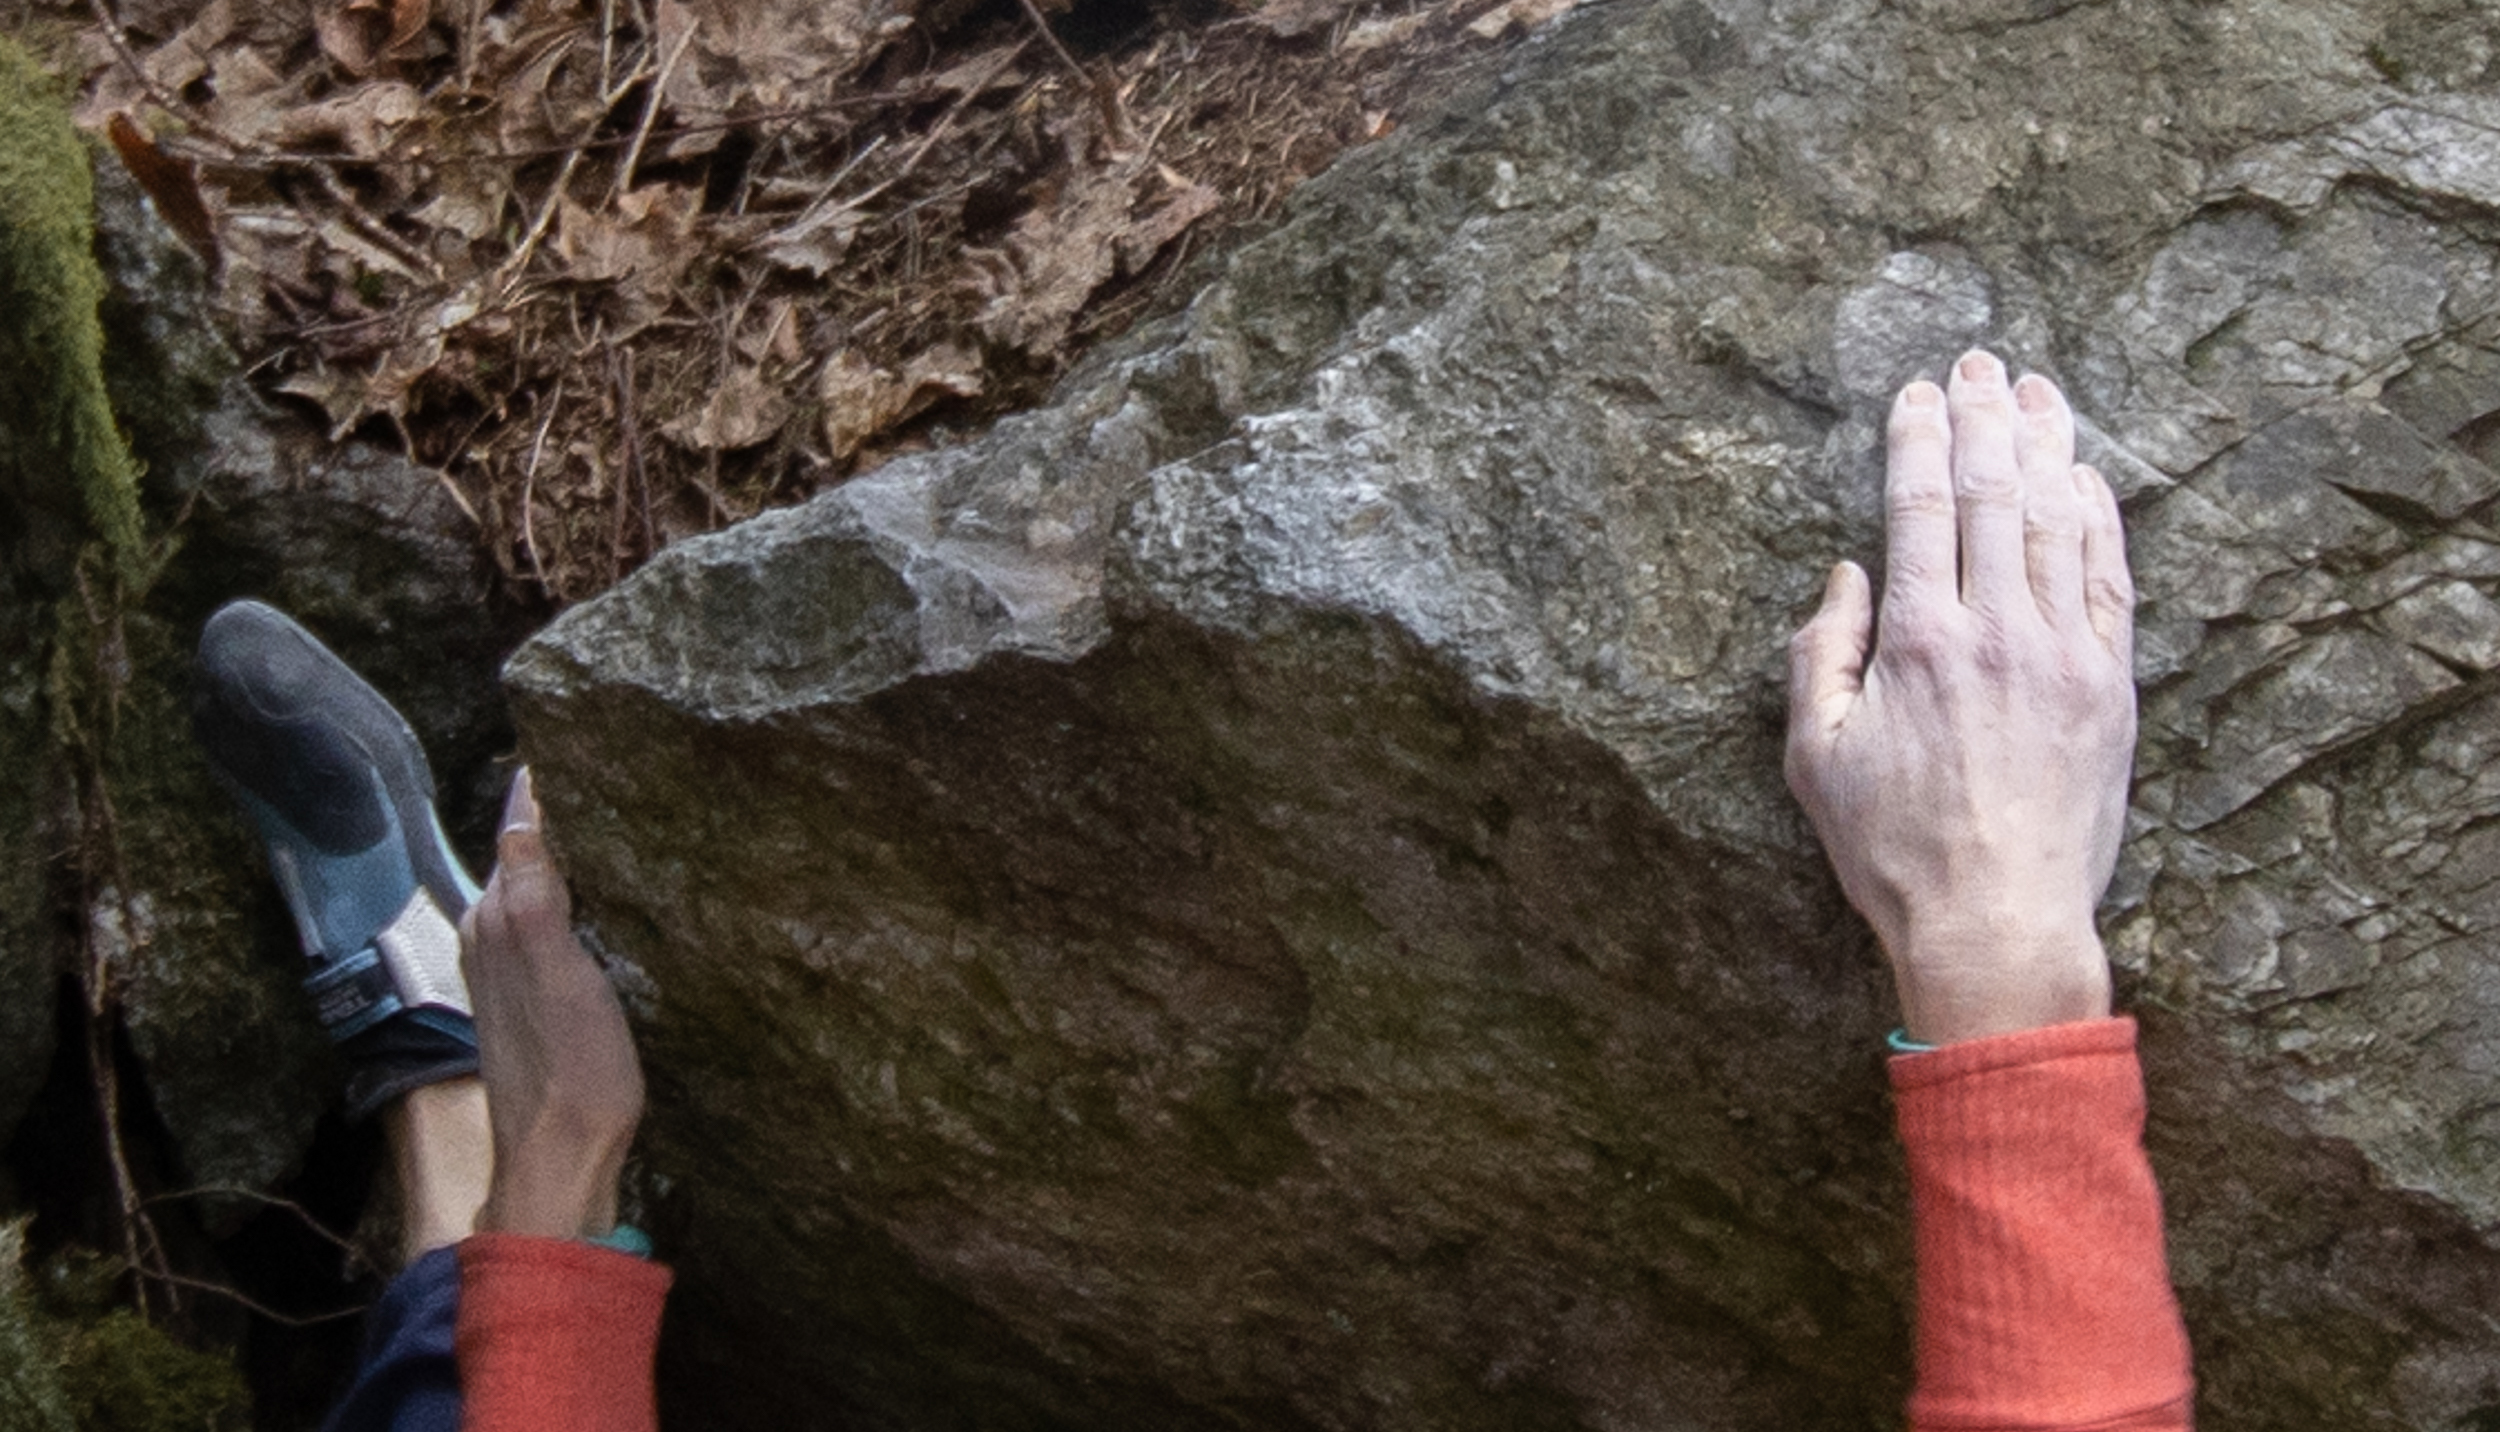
x: 31, y: 1399
x: 105, y: 1368
x: 122, y: 1374
x: 2390, y: 65
x: 60, y: 447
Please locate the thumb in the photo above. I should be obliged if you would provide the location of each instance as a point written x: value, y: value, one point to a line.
x: 534, y: 899
x: 1827, y: 658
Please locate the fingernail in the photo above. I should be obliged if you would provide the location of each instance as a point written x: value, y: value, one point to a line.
x: 1978, y: 366
x: 2035, y: 394
x: 1921, y: 394
x: 520, y: 804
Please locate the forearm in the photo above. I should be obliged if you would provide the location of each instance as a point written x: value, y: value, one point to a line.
x: 556, y: 1336
x: 2044, y: 1295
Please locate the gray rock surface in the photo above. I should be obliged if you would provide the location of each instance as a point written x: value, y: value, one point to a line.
x: 1261, y: 895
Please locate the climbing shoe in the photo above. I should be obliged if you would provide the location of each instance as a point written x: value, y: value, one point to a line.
x: 339, y: 789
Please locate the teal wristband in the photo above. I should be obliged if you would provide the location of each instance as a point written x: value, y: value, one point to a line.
x: 1900, y: 1042
x: 624, y: 1238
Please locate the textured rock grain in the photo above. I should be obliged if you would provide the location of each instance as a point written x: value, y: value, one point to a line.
x: 1261, y: 896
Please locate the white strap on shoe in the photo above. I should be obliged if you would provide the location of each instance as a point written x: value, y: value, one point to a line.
x: 421, y: 949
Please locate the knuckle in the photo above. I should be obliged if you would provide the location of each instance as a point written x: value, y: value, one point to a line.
x: 1988, y: 484
x: 1997, y: 659
x: 1916, y: 637
x: 1914, y: 572
x: 1912, y: 425
x: 2052, y: 521
x: 1919, y: 500
x: 1797, y: 765
x: 2115, y: 593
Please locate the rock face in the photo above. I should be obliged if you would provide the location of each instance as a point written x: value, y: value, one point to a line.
x: 1261, y: 895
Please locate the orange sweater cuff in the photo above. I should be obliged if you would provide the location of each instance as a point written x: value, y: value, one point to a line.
x: 2044, y: 1295
x: 556, y: 1336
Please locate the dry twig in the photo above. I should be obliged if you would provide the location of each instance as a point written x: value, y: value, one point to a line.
x: 237, y: 1296
x: 650, y: 112
x: 529, y: 491
x: 1106, y: 96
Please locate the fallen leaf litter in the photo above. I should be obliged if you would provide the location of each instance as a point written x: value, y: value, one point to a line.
x: 620, y: 271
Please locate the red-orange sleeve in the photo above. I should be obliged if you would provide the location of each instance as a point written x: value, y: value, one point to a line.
x: 2044, y: 1298
x: 556, y: 1336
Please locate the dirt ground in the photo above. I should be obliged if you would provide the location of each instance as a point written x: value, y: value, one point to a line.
x: 620, y: 271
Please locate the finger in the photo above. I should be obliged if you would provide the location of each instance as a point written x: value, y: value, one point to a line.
x: 1987, y: 484
x: 485, y: 934
x: 469, y: 935
x: 1918, y: 501
x: 1827, y: 658
x: 2044, y: 448
x: 2108, y: 589
x: 536, y: 906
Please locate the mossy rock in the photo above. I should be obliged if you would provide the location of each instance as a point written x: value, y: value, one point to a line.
x: 72, y: 1361
x: 123, y: 1374
x: 64, y: 469
x: 31, y: 1396
x: 61, y: 461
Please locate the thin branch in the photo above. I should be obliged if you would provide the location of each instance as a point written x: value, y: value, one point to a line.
x: 621, y: 374
x: 143, y: 1249
x: 254, y: 1195
x: 937, y: 131
x: 236, y: 1295
x: 1114, y: 115
x: 1050, y: 37
x: 529, y: 490
x: 164, y: 99
x: 650, y: 112
x: 509, y: 273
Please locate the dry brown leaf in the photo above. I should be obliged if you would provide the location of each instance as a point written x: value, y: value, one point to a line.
x: 1376, y: 34
x: 647, y: 235
x: 774, y: 335
x: 1147, y: 237
x: 1062, y: 252
x: 863, y: 401
x: 250, y: 93
x: 1527, y: 14
x: 643, y: 249
x: 171, y: 67
x: 547, y: 101
x: 753, y: 55
x: 743, y: 411
x: 991, y: 69
x: 341, y: 395
x: 472, y: 213
x: 814, y: 242
x: 358, y: 121
x: 693, y: 99
x: 365, y: 35
x: 1289, y: 18
x: 172, y: 185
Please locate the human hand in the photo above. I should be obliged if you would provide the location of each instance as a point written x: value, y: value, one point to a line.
x: 563, y: 1085
x: 1969, y: 777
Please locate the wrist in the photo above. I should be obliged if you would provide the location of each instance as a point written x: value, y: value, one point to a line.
x: 581, y: 1206
x: 1969, y: 980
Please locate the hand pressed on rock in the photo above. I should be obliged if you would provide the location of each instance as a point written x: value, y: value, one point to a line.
x: 1968, y: 774
x: 563, y: 1084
